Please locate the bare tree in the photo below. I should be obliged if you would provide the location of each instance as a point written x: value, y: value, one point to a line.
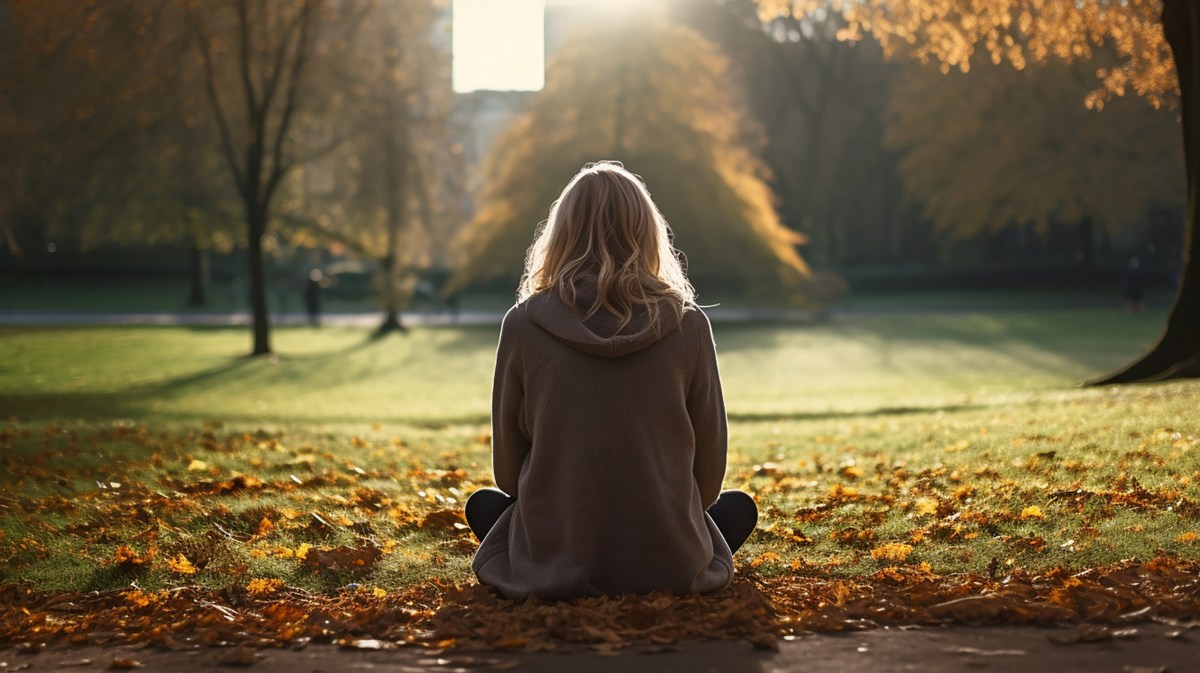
x: 266, y: 47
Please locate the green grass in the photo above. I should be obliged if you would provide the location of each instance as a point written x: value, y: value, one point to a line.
x: 934, y: 431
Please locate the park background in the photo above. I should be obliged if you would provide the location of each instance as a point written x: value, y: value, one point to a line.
x: 916, y: 253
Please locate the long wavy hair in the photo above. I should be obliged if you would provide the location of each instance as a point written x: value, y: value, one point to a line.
x: 604, y: 225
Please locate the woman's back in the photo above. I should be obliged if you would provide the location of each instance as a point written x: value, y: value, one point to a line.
x: 614, y: 444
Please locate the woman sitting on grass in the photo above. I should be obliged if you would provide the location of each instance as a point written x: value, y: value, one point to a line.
x: 608, y: 423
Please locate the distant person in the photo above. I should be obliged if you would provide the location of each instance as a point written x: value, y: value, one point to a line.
x: 608, y: 421
x: 312, y: 297
x: 1135, y: 287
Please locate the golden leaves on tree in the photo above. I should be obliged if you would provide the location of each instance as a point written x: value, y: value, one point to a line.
x: 1018, y: 32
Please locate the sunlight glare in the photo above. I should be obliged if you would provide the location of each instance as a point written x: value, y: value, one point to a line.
x: 498, y: 46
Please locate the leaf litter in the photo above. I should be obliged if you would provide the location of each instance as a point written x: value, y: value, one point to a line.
x: 759, y: 610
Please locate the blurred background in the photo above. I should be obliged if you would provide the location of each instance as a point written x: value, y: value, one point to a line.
x: 392, y: 159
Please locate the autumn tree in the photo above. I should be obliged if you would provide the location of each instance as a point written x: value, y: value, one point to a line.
x: 998, y: 147
x: 1158, y: 46
x: 655, y: 96
x: 255, y: 59
x: 76, y: 99
x: 377, y: 194
x: 820, y: 101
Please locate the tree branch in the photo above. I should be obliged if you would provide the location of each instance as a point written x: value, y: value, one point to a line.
x: 210, y: 88
x: 303, y: 222
x: 244, y: 57
x: 277, y: 67
x: 304, y: 45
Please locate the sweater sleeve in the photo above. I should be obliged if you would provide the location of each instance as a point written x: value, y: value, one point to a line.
x: 706, y: 408
x: 510, y: 438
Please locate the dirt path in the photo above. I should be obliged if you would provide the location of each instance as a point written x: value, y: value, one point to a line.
x: 1138, y: 649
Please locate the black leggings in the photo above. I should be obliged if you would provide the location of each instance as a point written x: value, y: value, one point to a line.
x: 734, y: 512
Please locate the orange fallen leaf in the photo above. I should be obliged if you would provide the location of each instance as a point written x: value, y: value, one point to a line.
x: 265, y: 527
x: 181, y: 565
x: 768, y: 557
x: 891, y: 551
x: 263, y: 586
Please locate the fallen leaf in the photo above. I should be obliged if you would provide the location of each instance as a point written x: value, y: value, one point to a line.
x: 180, y: 564
x: 263, y: 586
x: 343, y: 558
x: 892, y: 551
x: 446, y: 520
x: 768, y: 557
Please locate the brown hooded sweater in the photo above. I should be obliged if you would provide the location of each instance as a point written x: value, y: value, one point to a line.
x: 614, y: 446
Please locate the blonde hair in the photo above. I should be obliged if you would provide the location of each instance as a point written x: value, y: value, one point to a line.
x: 604, y: 224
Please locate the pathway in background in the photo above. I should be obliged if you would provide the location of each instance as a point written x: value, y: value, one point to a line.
x: 425, y: 319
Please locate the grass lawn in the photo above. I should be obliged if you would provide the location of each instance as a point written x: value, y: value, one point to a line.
x: 161, y: 456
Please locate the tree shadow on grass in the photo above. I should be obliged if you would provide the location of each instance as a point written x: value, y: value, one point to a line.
x: 235, y: 374
x: 1060, y: 344
x: 753, y: 417
x: 1065, y: 343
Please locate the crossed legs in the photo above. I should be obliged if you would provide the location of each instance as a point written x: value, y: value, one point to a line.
x: 734, y: 512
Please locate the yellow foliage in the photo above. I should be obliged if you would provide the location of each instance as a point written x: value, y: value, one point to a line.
x: 927, y: 506
x: 1188, y: 537
x: 263, y: 587
x: 1014, y: 31
x: 180, y: 564
x: 143, y: 599
x: 1032, y: 512
x: 985, y: 150
x: 892, y: 551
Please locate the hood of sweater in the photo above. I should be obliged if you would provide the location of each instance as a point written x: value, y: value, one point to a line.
x: 597, y: 334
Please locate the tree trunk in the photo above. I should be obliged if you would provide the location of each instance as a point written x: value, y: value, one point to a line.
x: 199, y: 262
x: 257, y: 222
x: 388, y: 287
x: 1177, y: 353
x: 395, y: 169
